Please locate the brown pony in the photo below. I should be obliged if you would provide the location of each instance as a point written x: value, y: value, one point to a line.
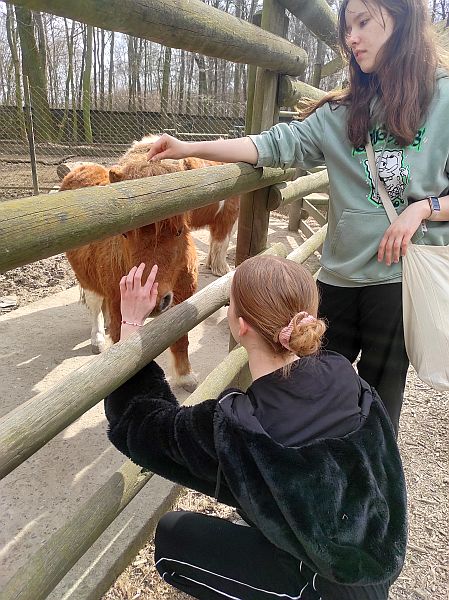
x: 99, y: 266
x: 219, y: 217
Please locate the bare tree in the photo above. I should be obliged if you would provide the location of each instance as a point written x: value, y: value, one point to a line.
x: 13, y: 46
x: 32, y: 72
x: 87, y: 85
x: 111, y: 71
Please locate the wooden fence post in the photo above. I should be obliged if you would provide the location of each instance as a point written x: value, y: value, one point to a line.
x: 262, y: 113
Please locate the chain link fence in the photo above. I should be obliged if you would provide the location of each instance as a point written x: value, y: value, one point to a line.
x: 31, y: 148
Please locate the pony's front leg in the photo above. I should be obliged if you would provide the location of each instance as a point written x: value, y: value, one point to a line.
x: 184, y: 288
x: 180, y: 365
x: 94, y: 303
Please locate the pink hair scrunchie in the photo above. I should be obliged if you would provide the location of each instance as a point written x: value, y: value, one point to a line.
x: 286, y: 332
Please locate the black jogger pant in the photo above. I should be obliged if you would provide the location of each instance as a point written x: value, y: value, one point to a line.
x: 369, y: 320
x: 211, y: 558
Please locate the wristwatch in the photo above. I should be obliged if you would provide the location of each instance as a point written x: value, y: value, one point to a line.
x: 434, y: 204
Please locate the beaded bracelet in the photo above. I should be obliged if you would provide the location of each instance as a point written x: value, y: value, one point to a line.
x: 130, y: 323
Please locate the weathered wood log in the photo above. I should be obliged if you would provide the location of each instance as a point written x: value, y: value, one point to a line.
x: 188, y: 24
x: 316, y: 16
x: 56, y: 557
x: 333, y: 66
x: 31, y: 425
x: 254, y: 214
x: 41, y: 226
x: 291, y: 92
x: 302, y: 253
x: 284, y: 193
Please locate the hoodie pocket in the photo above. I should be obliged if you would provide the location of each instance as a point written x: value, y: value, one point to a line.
x: 353, y: 248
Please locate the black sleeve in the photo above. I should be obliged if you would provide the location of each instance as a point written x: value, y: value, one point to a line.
x: 147, y: 424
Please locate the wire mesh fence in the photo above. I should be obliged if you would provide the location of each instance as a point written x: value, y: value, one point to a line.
x: 28, y: 140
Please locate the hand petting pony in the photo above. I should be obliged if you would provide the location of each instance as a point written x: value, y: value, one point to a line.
x: 137, y: 301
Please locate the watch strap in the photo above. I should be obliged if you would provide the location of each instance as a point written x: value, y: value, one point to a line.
x: 434, y: 204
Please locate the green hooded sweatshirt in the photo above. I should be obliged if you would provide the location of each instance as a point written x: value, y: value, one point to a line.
x: 357, y: 219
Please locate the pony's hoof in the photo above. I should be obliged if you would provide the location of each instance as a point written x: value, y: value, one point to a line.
x: 188, y: 382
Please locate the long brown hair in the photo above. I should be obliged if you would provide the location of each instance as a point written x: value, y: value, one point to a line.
x: 404, y: 79
x: 268, y: 292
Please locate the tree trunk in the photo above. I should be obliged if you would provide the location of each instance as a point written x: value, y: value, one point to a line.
x: 182, y: 72
x: 202, y: 83
x: 111, y: 72
x: 94, y: 64
x: 189, y: 86
x: 12, y: 41
x: 73, y: 88
x: 137, y: 69
x: 69, y: 79
x: 102, y: 49
x: 165, y: 87
x: 87, y: 86
x: 131, y: 89
x: 53, y: 66
x: 83, y: 61
x: 145, y: 73
x: 42, y: 46
x: 44, y: 127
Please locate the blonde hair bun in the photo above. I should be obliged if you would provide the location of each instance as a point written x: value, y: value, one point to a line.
x: 306, y: 336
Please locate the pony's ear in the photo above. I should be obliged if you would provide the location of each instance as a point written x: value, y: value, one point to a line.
x: 116, y: 174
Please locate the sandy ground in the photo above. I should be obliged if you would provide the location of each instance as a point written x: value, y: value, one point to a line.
x: 40, y: 343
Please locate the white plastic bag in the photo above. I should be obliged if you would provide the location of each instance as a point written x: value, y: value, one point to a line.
x: 425, y: 296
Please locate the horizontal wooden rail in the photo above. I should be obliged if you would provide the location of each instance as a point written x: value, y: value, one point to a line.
x: 316, y: 16
x: 318, y: 200
x: 31, y: 425
x: 291, y: 92
x: 41, y: 226
x: 333, y: 66
x: 188, y: 24
x: 312, y: 244
x: 284, y: 193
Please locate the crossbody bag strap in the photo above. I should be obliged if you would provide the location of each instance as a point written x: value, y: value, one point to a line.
x: 386, y: 200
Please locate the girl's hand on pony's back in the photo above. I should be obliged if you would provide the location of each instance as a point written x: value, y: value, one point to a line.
x: 168, y: 147
x: 137, y: 300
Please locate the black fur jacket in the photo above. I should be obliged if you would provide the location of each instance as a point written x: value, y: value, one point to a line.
x: 337, y: 504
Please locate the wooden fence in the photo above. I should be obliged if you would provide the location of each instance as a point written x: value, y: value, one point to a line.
x: 37, y: 227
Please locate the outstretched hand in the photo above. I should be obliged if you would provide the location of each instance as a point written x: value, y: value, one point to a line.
x: 167, y: 147
x: 137, y: 301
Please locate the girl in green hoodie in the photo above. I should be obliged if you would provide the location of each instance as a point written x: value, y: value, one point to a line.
x: 398, y: 92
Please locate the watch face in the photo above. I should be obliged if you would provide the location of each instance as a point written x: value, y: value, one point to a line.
x: 435, y: 203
